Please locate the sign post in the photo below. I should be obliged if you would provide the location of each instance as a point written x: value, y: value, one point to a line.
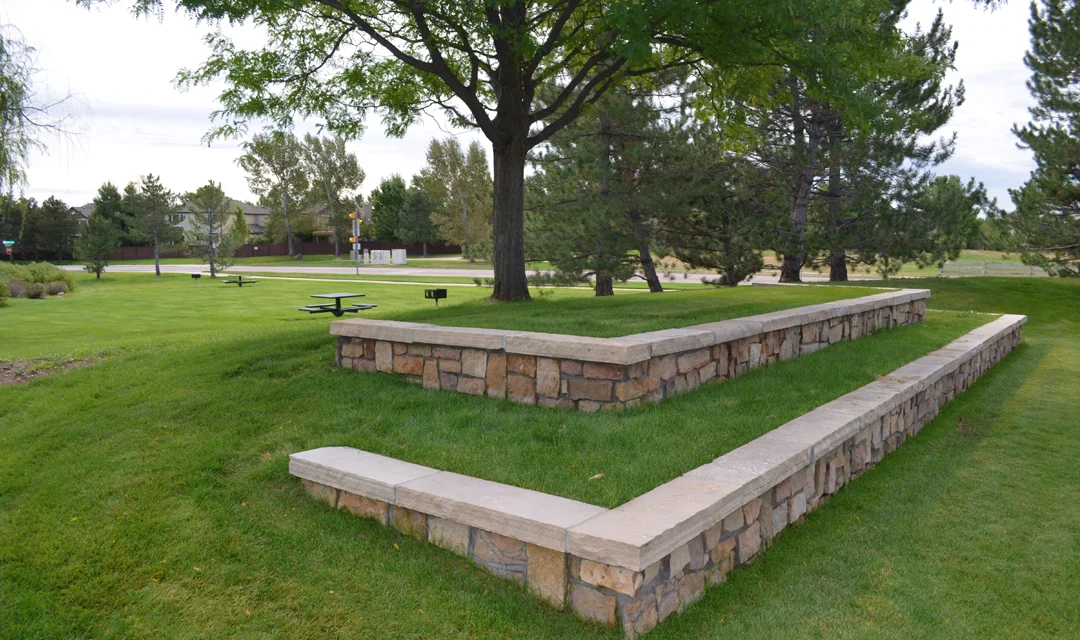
x: 358, y: 217
x: 8, y: 244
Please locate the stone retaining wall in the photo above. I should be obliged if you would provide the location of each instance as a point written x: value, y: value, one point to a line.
x: 635, y: 565
x: 593, y: 373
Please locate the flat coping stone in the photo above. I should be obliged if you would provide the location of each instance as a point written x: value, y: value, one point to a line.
x: 623, y: 350
x: 361, y: 472
x: 533, y: 516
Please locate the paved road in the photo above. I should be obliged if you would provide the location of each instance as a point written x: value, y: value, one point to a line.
x: 401, y: 272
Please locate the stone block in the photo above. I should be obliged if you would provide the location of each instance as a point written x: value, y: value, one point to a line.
x: 639, y: 616
x: 408, y: 365
x: 667, y: 597
x: 496, y: 375
x: 755, y: 358
x: 356, y: 471
x: 547, y: 574
x: 448, y: 534
x: 352, y: 349
x: 448, y: 381
x: 498, y: 549
x: 474, y: 363
x: 547, y: 377
x: 713, y: 533
x: 521, y: 389
x: 471, y: 386
x: 733, y: 522
x: 698, y: 557
x: 751, y: 510
x: 409, y: 522
x: 796, y: 506
x: 361, y: 364
x: 364, y: 506
x: 749, y: 542
x: 665, y: 367
x: 615, y: 578
x: 724, y: 553
x: 320, y: 491
x: 446, y: 353
x: 555, y: 403
x: 690, y: 361
x: 423, y: 350
x: 570, y: 367
x: 450, y: 366
x: 593, y: 605
x: 680, y: 558
x: 603, y: 371
x: 400, y: 348
x: 779, y: 517
x: 707, y: 372
x: 588, y: 406
x: 691, y: 587
x: 631, y: 389
x: 782, y: 490
x: 596, y: 390
x: 518, y: 363
x: 431, y: 374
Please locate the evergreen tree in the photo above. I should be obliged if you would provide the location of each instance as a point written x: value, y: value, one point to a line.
x: 12, y: 218
x: 50, y: 228
x: 1046, y: 222
x: 98, y: 239
x: 154, y: 206
x: 210, y: 219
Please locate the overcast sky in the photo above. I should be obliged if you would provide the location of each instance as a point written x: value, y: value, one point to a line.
x: 135, y: 121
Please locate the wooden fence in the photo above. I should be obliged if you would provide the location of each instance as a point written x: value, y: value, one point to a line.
x: 989, y: 269
x: 263, y: 250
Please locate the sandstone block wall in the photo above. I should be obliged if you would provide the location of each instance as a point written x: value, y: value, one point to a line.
x: 548, y: 370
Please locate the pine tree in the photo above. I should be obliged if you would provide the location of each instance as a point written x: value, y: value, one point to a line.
x: 154, y: 207
x: 209, y: 234
x: 98, y: 238
x: 1046, y: 223
x: 414, y: 221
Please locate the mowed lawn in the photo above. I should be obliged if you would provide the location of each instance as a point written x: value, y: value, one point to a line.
x: 148, y: 495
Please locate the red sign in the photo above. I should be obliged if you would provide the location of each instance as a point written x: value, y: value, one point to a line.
x: 9, y: 251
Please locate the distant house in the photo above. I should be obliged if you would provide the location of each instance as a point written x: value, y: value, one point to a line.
x: 258, y: 218
x: 82, y: 214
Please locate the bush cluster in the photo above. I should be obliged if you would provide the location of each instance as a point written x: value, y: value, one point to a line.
x: 35, y: 280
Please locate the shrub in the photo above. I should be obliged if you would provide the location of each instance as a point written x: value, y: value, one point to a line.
x: 9, y: 272
x: 17, y: 288
x: 4, y: 293
x: 56, y: 287
x: 35, y: 291
x: 44, y: 273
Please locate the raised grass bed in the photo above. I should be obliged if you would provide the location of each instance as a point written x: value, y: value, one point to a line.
x: 635, y: 565
x: 591, y: 373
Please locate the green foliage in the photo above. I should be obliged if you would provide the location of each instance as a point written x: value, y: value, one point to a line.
x: 12, y: 215
x: 387, y: 201
x: 98, y: 238
x: 209, y: 233
x: 274, y: 162
x: 460, y: 182
x: 239, y: 227
x: 4, y: 293
x: 335, y: 177
x: 154, y: 207
x: 1046, y: 223
x: 414, y: 220
x: 18, y: 278
x: 49, y: 228
x: 19, y: 110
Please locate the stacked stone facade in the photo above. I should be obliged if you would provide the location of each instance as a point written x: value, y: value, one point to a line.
x: 530, y: 378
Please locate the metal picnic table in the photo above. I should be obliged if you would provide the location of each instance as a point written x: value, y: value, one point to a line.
x: 240, y: 282
x: 335, y: 307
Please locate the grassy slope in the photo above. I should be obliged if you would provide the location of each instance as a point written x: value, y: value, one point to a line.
x: 119, y: 480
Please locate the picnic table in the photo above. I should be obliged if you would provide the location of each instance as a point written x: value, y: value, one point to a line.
x: 240, y: 282
x: 335, y: 306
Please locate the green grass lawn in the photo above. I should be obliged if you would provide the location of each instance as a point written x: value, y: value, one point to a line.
x: 148, y: 495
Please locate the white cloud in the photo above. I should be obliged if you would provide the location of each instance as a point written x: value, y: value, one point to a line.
x: 138, y: 122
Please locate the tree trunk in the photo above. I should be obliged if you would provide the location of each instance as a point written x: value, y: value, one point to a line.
x: 838, y: 257
x: 157, y: 261
x: 807, y: 136
x: 425, y: 248
x: 645, y: 255
x: 285, y: 213
x: 729, y: 269
x: 605, y: 285
x: 509, y: 224
x: 838, y: 266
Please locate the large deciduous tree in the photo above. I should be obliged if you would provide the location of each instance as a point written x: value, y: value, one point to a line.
x: 1046, y: 223
x: 335, y: 175
x: 460, y: 182
x: 387, y: 201
x: 414, y: 221
x: 480, y: 63
x: 274, y: 162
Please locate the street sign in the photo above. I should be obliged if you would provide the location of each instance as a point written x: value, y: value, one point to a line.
x: 8, y: 243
